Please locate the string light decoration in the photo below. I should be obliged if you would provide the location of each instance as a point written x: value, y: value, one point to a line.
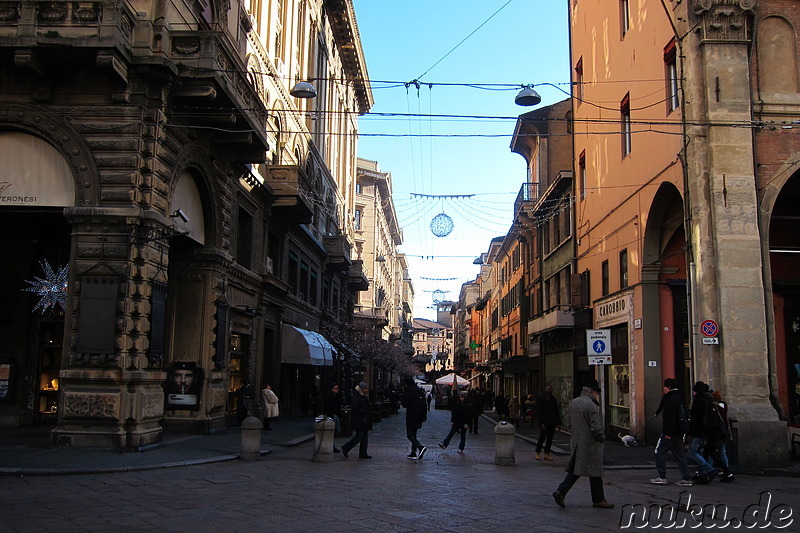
x: 442, y: 225
x: 52, y: 288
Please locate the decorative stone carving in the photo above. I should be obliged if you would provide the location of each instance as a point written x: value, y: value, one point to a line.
x: 186, y: 46
x: 153, y: 405
x: 9, y: 11
x: 91, y: 405
x: 724, y: 20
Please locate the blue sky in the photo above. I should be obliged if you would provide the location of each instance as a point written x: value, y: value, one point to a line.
x: 525, y: 42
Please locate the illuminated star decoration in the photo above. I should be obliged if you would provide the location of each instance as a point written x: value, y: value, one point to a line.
x: 52, y: 288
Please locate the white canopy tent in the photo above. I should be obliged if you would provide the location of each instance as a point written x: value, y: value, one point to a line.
x: 303, y: 347
x: 448, y: 380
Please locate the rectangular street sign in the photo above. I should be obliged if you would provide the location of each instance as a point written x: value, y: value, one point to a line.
x: 599, y: 359
x: 598, y: 342
x: 711, y: 340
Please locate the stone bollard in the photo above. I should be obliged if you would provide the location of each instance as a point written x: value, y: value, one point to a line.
x: 323, y: 439
x: 251, y: 439
x: 504, y: 443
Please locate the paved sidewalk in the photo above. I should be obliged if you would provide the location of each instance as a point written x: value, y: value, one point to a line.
x: 27, y: 451
x: 286, y: 491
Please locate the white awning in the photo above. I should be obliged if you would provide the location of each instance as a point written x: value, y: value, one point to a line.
x: 303, y: 347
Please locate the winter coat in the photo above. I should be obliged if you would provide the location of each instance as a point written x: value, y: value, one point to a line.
x: 671, y: 405
x: 269, y: 404
x: 414, y: 417
x: 513, y: 409
x: 588, y: 434
x: 547, y: 410
x: 332, y: 404
x: 697, y: 418
x: 459, y: 413
x: 360, y: 411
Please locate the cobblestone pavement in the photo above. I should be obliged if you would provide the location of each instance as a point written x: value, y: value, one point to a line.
x: 285, y: 491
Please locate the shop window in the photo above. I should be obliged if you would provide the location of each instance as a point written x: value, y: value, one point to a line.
x: 97, y: 317
x: 619, y: 398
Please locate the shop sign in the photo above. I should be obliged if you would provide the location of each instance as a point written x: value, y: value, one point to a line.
x: 613, y: 311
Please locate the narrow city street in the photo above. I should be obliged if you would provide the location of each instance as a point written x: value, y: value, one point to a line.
x: 446, y: 491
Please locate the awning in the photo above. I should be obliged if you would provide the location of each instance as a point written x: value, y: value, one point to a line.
x: 303, y: 347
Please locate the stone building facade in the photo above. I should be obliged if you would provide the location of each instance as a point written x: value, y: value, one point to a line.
x: 203, y: 213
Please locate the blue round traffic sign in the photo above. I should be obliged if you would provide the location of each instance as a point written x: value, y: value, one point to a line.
x: 709, y: 328
x: 599, y: 346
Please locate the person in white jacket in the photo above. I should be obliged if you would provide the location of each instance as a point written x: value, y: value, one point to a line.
x: 269, y: 405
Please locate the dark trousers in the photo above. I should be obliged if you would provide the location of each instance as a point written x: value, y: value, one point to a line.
x: 473, y: 423
x: 545, y: 438
x: 411, y: 433
x: 453, y: 431
x: 595, y: 484
x: 361, y: 438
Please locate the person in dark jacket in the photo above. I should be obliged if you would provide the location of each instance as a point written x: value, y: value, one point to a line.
x: 416, y: 413
x: 360, y: 421
x: 672, y: 433
x: 459, y: 415
x: 717, y: 442
x: 549, y: 420
x: 699, y: 433
x: 332, y: 407
x: 475, y: 409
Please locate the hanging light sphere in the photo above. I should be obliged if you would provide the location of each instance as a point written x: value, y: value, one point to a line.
x: 441, y: 225
x: 438, y: 296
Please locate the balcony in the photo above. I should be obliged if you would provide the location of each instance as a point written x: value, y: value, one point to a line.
x: 356, y: 279
x: 527, y: 196
x: 338, y: 252
x: 289, y: 187
x: 558, y: 317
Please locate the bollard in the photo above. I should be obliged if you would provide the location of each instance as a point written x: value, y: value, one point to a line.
x: 251, y: 439
x: 504, y: 444
x: 323, y: 439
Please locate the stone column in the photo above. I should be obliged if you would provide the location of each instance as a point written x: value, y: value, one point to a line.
x: 724, y: 226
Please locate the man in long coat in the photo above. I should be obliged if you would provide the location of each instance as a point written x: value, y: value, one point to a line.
x: 588, y: 434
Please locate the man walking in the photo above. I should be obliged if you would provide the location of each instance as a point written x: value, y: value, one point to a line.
x: 416, y: 413
x: 361, y: 423
x: 588, y: 435
x: 459, y: 414
x: 549, y: 420
x: 674, y: 427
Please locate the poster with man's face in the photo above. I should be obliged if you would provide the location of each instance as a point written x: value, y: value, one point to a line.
x: 184, y: 383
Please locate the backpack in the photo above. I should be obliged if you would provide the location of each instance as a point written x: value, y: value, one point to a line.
x: 714, y: 424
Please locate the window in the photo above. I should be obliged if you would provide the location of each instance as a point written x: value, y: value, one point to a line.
x: 293, y: 265
x: 625, y: 121
x: 604, y: 276
x: 624, y: 17
x: 582, y: 173
x: 358, y: 218
x: 623, y: 269
x: 244, y: 238
x: 303, y: 281
x: 313, y: 288
x: 671, y: 71
x: 359, y: 187
x: 579, y: 81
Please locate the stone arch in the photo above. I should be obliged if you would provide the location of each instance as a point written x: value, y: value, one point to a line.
x: 665, y: 217
x: 63, y: 138
x: 777, y: 56
x: 194, y: 163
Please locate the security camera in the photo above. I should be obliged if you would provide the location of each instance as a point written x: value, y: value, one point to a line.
x: 179, y: 213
